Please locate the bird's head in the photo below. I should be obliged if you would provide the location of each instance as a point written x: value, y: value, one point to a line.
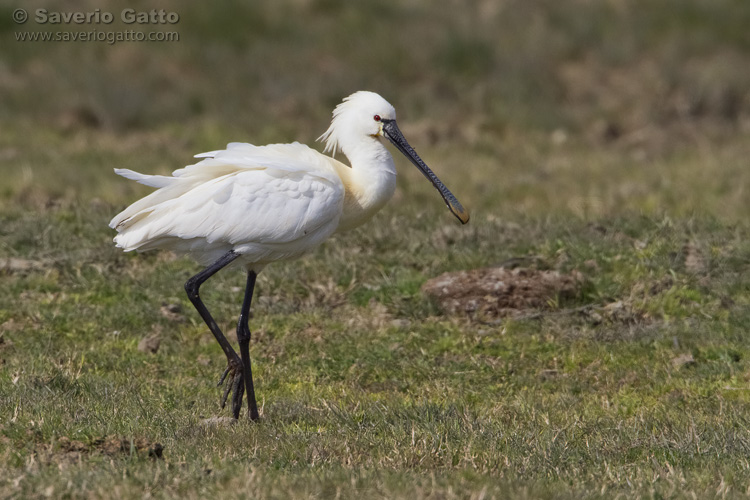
x: 366, y: 114
x: 360, y: 115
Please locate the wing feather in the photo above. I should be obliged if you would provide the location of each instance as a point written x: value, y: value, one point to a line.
x: 255, y: 199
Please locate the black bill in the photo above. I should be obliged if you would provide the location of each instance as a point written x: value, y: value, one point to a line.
x: 394, y: 135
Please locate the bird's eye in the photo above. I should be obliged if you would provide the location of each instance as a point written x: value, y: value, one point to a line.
x: 376, y: 118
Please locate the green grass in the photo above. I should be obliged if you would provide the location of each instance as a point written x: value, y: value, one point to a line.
x: 610, y: 139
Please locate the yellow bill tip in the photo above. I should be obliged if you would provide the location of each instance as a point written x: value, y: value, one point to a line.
x: 460, y: 212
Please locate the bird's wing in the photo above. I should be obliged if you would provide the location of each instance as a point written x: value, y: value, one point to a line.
x: 157, y: 181
x: 244, y: 194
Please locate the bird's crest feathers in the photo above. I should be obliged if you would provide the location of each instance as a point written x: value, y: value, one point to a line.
x: 362, y: 105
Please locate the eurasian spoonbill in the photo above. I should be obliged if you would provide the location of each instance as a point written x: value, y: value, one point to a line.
x: 252, y: 205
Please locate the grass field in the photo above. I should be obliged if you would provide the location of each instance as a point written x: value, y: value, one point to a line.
x: 605, y: 139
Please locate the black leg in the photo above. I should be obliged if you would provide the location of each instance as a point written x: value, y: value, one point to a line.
x: 243, y: 336
x: 234, y: 363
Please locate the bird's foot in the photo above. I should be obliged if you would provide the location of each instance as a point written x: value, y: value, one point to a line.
x: 234, y: 385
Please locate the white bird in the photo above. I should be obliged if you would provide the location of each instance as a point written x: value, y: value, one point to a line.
x: 253, y: 205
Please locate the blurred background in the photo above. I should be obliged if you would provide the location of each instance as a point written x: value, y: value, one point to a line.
x: 579, y: 107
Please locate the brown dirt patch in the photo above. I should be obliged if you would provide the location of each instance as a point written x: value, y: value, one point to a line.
x: 13, y: 265
x: 619, y: 312
x: 695, y: 262
x: 497, y: 292
x: 70, y: 451
x: 172, y: 312
x: 150, y: 344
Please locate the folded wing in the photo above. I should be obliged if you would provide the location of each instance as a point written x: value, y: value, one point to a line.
x: 272, y: 202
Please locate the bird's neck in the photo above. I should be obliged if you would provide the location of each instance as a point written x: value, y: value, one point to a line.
x: 369, y: 182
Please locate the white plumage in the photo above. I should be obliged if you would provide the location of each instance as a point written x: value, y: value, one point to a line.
x: 267, y: 203
x: 253, y: 205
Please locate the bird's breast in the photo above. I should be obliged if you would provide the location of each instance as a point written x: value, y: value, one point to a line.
x: 365, y: 195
